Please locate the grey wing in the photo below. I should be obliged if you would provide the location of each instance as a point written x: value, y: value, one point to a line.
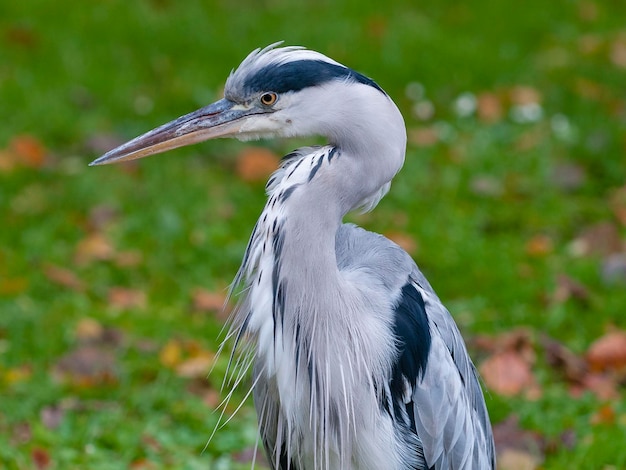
x: 436, y: 397
x: 451, y: 417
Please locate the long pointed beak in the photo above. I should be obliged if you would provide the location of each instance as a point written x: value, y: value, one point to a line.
x: 220, y: 119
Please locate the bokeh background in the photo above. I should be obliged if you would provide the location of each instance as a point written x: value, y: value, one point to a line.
x: 512, y: 200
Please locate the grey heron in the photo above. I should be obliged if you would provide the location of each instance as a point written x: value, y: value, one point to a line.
x: 357, y: 363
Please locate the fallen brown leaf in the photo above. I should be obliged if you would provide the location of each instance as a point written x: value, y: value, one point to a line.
x: 601, y: 385
x: 604, y: 415
x: 88, y: 330
x: 256, y: 164
x: 63, y: 277
x: 608, y: 352
x: 123, y: 298
x: 563, y: 360
x: 404, y: 240
x: 507, y: 373
x: 196, y: 366
x: 513, y: 459
x: 423, y: 136
x: 489, y: 107
x: 41, y: 458
x: 601, y: 239
x: 207, y: 301
x: 539, y: 246
x: 87, y: 366
x: 522, y: 95
x: 94, y: 247
x: 517, y: 446
x: 568, y: 288
x: 28, y: 151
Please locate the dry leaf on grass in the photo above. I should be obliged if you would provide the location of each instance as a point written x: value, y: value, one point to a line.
x: 86, y: 367
x: 256, y: 164
x: 604, y: 415
x: 123, y: 298
x: 207, y: 301
x: 41, y: 458
x: 196, y: 366
x: 404, y: 240
x: 489, y: 107
x: 63, y: 277
x: 423, y: 136
x: 94, y: 247
x: 601, y: 239
x: 539, y: 246
x: 568, y: 288
x: 28, y: 151
x: 513, y: 459
x: 608, y: 352
x: 515, y: 446
x: 508, y: 374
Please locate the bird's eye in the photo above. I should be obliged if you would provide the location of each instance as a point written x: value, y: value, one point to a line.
x: 268, y: 99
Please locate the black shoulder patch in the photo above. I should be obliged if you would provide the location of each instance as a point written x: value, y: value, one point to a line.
x: 412, y: 333
x: 299, y: 74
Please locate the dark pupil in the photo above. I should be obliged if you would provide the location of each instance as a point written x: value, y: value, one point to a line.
x: 267, y: 99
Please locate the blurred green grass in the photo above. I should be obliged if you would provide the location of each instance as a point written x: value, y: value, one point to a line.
x: 79, y: 77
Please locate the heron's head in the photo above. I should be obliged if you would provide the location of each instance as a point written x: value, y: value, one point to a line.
x: 288, y: 91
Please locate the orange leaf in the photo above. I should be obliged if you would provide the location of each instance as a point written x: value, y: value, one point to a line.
x: 207, y: 301
x: 123, y: 298
x: 507, y: 373
x: 489, y: 107
x: 196, y: 367
x: 605, y: 415
x: 41, y: 458
x: 256, y: 164
x: 539, y: 246
x: 88, y: 329
x: 423, y: 136
x: 522, y: 95
x: 608, y: 352
x: 94, y: 247
x: 405, y: 241
x: 28, y: 150
x: 64, y: 277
